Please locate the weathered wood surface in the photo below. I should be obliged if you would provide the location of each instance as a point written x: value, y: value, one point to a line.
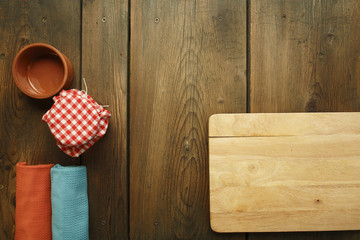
x: 188, y: 61
x: 105, y: 68
x: 276, y: 172
x: 23, y: 136
x: 304, y: 56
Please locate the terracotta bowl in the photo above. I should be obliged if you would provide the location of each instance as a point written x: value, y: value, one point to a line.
x: 41, y: 71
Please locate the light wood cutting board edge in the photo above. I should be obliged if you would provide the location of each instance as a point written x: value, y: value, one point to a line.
x: 215, y: 134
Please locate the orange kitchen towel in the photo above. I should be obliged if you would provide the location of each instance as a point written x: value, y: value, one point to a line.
x: 33, y: 202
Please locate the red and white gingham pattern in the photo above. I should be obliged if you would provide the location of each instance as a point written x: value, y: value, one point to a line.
x: 76, y: 121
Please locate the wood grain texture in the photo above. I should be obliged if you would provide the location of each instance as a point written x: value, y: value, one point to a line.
x: 285, y: 181
x: 105, y: 68
x: 23, y: 136
x: 334, y: 235
x: 286, y: 124
x: 304, y: 57
x: 188, y: 61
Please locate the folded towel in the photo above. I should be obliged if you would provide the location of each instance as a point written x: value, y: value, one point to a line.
x: 33, y: 204
x: 69, y: 202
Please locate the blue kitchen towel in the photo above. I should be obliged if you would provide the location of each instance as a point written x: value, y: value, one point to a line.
x: 69, y: 203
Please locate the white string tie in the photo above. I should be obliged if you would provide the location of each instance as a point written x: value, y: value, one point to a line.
x: 86, y: 91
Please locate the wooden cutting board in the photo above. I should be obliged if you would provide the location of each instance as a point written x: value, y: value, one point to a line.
x: 284, y: 172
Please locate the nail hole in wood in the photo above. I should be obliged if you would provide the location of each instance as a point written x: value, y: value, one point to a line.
x: 103, y: 19
x: 330, y: 36
x: 186, y: 148
x: 157, y: 20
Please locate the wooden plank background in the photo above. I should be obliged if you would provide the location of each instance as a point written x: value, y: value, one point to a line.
x: 23, y: 136
x: 105, y: 68
x: 164, y: 67
x: 304, y: 58
x: 188, y: 61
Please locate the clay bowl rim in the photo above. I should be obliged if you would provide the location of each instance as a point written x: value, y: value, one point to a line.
x: 38, y: 95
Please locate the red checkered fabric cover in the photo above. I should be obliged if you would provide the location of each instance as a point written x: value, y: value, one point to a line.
x: 76, y: 121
